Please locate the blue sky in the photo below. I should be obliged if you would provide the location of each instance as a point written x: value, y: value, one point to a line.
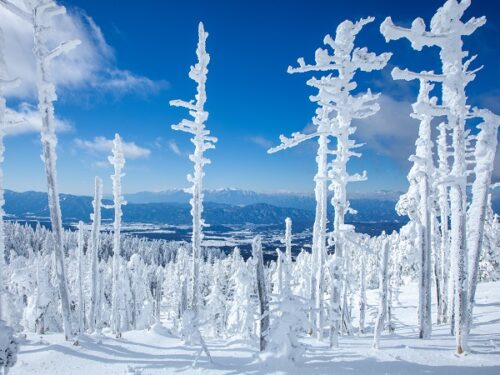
x: 136, y: 56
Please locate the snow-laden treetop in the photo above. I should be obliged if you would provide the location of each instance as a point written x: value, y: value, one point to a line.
x: 445, y: 25
x: 334, y: 95
x: 117, y: 159
x: 197, y: 73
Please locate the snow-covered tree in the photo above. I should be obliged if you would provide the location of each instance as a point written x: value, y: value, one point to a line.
x: 337, y: 107
x: 81, y: 260
x: 442, y: 194
x: 446, y: 32
x: 118, y: 309
x: 421, y: 191
x: 93, y: 252
x: 202, y: 142
x: 383, y: 291
x: 216, y: 303
x: 362, y: 294
x: 240, y: 318
x: 288, y: 241
x: 261, y: 292
x: 8, y: 345
x: 489, y: 264
x: 141, y: 301
x: 39, y: 14
x: 288, y: 266
x: 288, y: 323
x: 484, y: 158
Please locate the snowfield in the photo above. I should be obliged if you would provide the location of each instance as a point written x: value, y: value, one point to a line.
x: 156, y: 351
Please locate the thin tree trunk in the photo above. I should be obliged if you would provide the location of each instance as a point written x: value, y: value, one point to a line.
x: 383, y: 283
x: 261, y: 293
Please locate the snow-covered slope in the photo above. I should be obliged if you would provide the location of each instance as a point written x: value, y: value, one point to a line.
x: 157, y: 352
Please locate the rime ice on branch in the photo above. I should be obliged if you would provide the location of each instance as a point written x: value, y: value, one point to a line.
x: 39, y: 15
x: 202, y: 141
x: 337, y: 107
x: 446, y: 32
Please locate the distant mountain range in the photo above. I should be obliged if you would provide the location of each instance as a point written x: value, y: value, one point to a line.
x: 239, y: 197
x: 223, y: 206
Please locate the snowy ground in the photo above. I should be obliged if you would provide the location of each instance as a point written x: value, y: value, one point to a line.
x: 156, y: 352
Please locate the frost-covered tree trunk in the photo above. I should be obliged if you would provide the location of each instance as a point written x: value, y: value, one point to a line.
x: 319, y: 236
x: 444, y: 213
x: 261, y: 292
x: 93, y: 251
x: 346, y: 308
x: 336, y: 109
x: 40, y: 14
x: 202, y: 141
x: 81, y: 259
x: 383, y: 288
x: 288, y: 240
x: 279, y: 272
x: 446, y: 32
x: 484, y: 157
x: 117, y: 314
x: 158, y: 292
x: 362, y: 295
x: 423, y: 156
x: 288, y: 250
x: 436, y: 251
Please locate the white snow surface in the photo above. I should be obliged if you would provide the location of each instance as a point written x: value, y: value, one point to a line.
x: 156, y: 351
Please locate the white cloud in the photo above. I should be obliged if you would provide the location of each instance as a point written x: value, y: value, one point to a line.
x: 90, y: 65
x: 100, y: 145
x: 174, y: 147
x: 390, y: 132
x: 27, y: 120
x: 261, y: 141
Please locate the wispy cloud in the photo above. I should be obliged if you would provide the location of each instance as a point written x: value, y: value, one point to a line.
x: 261, y: 141
x: 172, y: 145
x: 100, y: 145
x: 92, y: 65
